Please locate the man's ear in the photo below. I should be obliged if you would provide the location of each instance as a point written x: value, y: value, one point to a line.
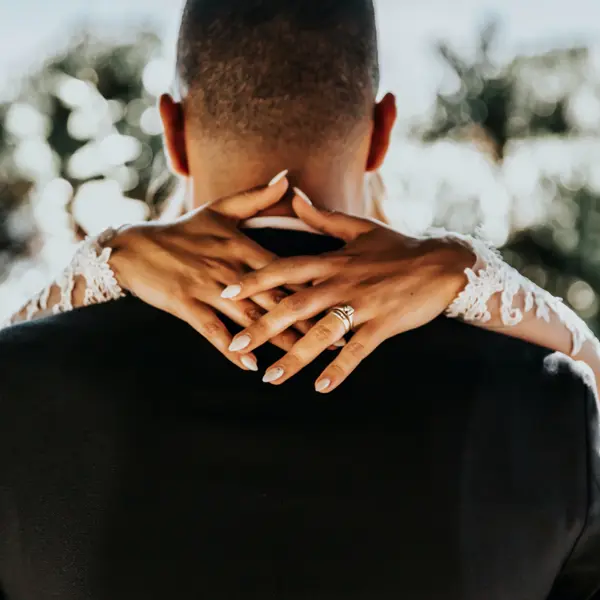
x: 172, y: 116
x: 384, y: 119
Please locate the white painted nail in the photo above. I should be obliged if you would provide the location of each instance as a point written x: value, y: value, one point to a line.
x: 249, y: 362
x: 278, y: 178
x: 322, y: 385
x: 273, y: 375
x: 302, y: 196
x: 231, y: 291
x: 240, y: 343
x: 340, y: 343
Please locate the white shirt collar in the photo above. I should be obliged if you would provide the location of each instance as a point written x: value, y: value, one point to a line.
x: 289, y: 223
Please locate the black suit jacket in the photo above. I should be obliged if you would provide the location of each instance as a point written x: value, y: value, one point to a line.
x: 137, y: 463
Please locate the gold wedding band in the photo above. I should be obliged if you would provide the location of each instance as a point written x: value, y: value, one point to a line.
x: 345, y: 314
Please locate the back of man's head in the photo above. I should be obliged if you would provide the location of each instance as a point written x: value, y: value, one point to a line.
x: 268, y: 73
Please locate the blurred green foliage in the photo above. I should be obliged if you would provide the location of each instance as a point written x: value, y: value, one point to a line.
x: 500, y: 103
x: 91, y: 91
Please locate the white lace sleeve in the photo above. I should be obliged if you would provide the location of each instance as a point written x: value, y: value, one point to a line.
x: 491, y: 275
x: 91, y: 263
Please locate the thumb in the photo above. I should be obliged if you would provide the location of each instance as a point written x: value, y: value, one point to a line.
x: 335, y: 224
x: 247, y: 204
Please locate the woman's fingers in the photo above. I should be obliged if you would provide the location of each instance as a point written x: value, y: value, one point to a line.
x: 271, y: 299
x: 363, y: 343
x: 338, y: 225
x: 246, y: 313
x: 286, y: 271
x: 209, y: 326
x: 298, y: 307
x: 246, y: 205
x: 254, y: 255
x: 324, y: 334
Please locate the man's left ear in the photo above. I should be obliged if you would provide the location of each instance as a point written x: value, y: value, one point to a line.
x: 172, y: 116
x: 384, y: 119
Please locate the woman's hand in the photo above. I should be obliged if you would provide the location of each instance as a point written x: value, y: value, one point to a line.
x: 182, y: 267
x: 393, y: 283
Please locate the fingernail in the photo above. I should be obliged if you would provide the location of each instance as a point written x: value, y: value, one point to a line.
x: 240, y: 343
x: 231, y: 291
x: 340, y: 343
x: 322, y: 385
x: 273, y: 375
x: 249, y: 362
x: 303, y: 196
x: 278, y: 178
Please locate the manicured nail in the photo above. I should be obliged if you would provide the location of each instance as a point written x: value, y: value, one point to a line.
x: 322, y: 385
x: 240, y: 343
x: 273, y: 375
x: 249, y: 362
x: 278, y: 178
x: 231, y: 291
x: 303, y: 196
x: 340, y: 343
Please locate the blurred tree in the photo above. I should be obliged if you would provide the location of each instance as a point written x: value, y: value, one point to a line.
x: 87, y: 114
x: 525, y: 99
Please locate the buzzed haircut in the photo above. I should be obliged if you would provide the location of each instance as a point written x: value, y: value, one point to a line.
x: 279, y: 71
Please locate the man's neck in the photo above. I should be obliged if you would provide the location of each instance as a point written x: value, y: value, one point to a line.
x: 340, y: 193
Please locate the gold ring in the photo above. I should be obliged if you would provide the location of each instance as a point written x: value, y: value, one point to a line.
x: 345, y: 314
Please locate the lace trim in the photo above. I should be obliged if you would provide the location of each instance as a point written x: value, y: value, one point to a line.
x: 90, y: 261
x: 491, y: 275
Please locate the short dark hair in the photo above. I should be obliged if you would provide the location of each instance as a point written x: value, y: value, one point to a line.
x: 279, y: 70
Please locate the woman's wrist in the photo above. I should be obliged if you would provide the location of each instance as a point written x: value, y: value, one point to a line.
x: 457, y: 259
x: 117, y: 241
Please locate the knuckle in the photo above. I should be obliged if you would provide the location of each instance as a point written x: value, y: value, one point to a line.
x: 322, y: 333
x: 345, y: 279
x: 211, y: 328
x: 356, y: 350
x: 292, y: 360
x: 289, y: 337
x: 295, y: 303
x: 253, y: 313
x: 291, y: 265
x: 336, y: 371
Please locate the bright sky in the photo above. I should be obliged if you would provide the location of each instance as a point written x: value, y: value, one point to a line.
x: 30, y: 28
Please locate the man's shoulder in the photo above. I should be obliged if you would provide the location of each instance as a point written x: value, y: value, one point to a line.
x: 100, y: 330
x: 461, y: 341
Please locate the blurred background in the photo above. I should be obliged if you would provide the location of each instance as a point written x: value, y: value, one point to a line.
x: 499, y: 129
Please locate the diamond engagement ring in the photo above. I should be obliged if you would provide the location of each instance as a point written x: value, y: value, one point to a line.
x: 345, y: 314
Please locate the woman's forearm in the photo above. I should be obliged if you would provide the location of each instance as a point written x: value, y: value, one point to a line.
x: 499, y: 298
x: 88, y: 279
x: 47, y: 300
x: 553, y: 333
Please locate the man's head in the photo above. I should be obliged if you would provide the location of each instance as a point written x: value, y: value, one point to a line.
x: 278, y: 83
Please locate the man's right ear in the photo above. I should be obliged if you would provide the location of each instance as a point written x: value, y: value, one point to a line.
x: 384, y: 119
x: 173, y: 120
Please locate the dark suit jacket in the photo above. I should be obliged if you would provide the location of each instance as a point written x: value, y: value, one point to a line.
x: 137, y: 463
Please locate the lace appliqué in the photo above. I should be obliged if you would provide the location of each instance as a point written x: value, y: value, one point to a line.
x: 90, y: 262
x: 491, y: 275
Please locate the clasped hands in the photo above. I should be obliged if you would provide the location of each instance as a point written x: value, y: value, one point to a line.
x: 203, y: 264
